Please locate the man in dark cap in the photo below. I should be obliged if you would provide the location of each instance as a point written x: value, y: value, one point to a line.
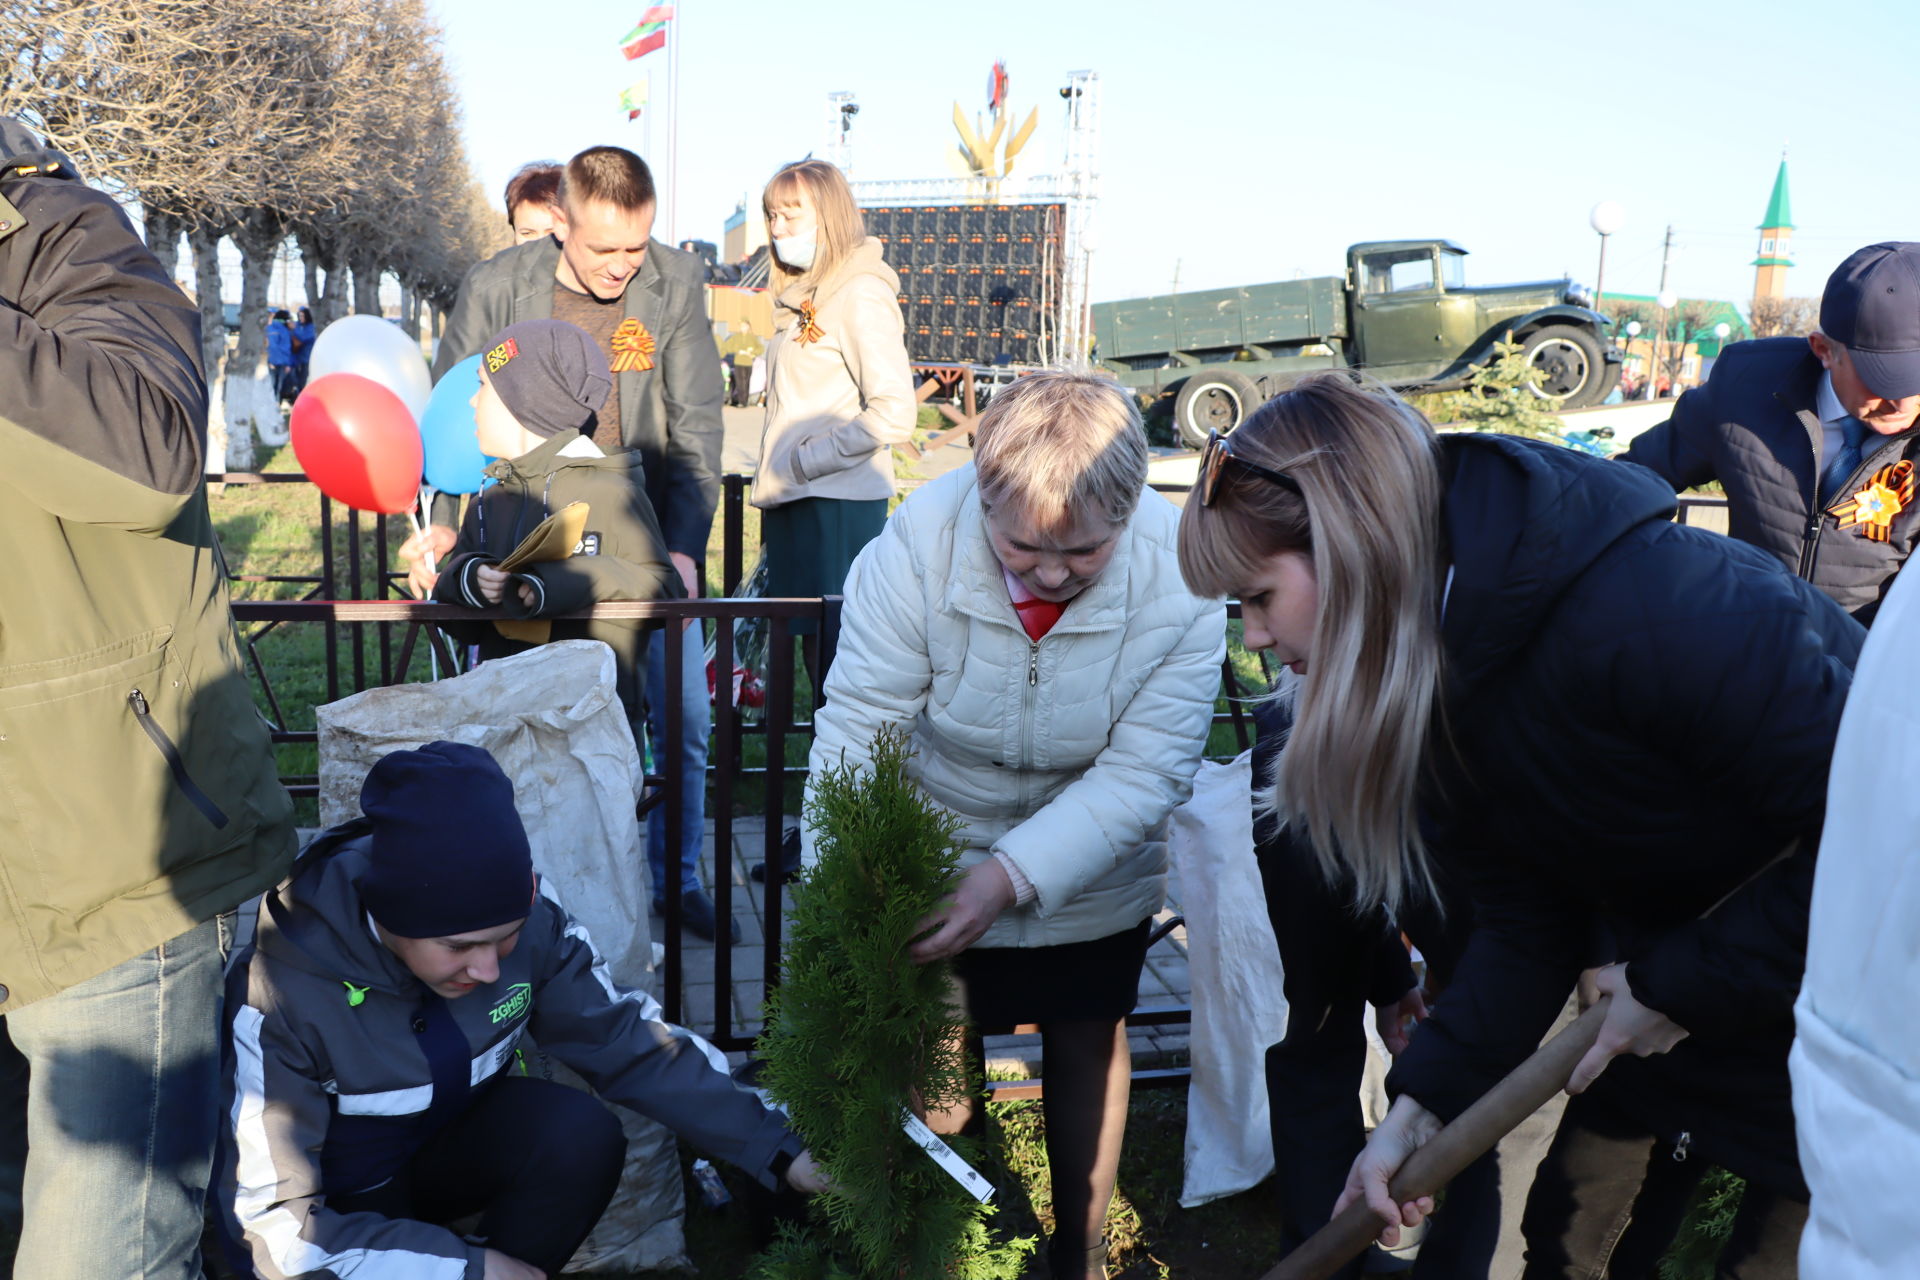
x: 138, y: 802
x: 1814, y: 438
x: 378, y: 1088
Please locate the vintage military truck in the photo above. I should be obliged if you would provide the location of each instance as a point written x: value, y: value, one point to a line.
x: 1403, y: 312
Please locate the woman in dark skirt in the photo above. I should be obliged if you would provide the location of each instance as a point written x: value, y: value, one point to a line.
x: 1025, y: 619
x: 839, y: 392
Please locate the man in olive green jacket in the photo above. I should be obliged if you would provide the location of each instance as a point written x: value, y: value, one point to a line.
x: 138, y: 798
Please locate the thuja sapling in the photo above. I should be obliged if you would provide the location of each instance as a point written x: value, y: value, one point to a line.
x: 857, y: 1033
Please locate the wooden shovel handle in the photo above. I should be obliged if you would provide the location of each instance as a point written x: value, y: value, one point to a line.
x: 1437, y: 1161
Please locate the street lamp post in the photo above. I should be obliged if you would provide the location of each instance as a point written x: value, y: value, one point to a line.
x: 1605, y: 218
x: 1633, y: 331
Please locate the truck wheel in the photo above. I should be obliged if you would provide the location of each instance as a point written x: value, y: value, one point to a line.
x: 1567, y: 363
x: 1212, y: 401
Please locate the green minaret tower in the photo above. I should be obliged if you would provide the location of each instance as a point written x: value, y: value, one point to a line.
x: 1770, y: 268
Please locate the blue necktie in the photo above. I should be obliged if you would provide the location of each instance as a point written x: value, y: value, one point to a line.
x: 1845, y: 459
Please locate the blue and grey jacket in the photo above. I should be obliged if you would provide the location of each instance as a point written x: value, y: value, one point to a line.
x: 340, y: 1064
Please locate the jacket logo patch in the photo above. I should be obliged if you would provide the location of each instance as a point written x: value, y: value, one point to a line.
x: 514, y: 1004
x: 589, y: 545
x: 1872, y: 509
x: 498, y: 357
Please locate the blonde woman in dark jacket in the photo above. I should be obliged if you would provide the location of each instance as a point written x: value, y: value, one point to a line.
x: 839, y: 391
x: 1613, y: 732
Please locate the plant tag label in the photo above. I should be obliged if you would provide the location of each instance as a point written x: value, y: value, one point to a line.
x: 945, y: 1156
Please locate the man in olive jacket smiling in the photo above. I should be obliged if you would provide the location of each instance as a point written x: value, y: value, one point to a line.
x: 138, y: 802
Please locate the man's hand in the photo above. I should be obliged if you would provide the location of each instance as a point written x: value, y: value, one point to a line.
x: 1406, y: 1127
x: 433, y: 543
x: 1630, y: 1027
x: 806, y: 1177
x: 1396, y: 1021
x: 501, y: 1267
x: 963, y: 915
x: 689, y: 578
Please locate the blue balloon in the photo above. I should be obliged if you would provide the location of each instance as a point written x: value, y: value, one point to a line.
x: 453, y: 458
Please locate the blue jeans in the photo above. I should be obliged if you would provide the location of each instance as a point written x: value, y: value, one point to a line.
x: 687, y: 763
x: 118, y: 1080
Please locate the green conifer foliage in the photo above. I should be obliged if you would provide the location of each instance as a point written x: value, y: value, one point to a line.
x: 856, y: 1031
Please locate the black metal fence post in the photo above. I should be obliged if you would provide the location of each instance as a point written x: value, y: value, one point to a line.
x: 667, y: 762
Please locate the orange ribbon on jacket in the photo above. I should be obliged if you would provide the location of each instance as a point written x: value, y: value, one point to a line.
x: 810, y: 331
x: 633, y: 347
x: 1873, y: 508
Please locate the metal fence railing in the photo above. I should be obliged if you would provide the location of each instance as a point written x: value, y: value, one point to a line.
x: 355, y: 587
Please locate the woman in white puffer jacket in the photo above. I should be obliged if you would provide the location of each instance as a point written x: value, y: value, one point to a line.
x: 1026, y: 618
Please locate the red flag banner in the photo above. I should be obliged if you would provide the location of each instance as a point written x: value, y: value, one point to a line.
x: 650, y: 21
x: 645, y: 44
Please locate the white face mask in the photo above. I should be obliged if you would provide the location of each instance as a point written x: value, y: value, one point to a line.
x: 796, y: 251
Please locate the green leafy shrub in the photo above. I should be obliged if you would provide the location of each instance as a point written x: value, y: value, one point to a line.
x: 857, y: 1031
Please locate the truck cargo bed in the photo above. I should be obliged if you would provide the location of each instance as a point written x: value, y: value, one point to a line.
x: 1281, y: 314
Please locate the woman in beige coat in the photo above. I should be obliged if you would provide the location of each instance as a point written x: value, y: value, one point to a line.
x: 839, y: 392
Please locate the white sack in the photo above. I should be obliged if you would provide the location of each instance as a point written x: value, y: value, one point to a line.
x: 1239, y: 1006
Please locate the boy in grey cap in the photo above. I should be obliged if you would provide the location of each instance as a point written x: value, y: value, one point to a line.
x: 541, y: 384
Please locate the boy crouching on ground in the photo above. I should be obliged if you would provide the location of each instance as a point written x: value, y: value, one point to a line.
x: 542, y: 383
x: 376, y: 1079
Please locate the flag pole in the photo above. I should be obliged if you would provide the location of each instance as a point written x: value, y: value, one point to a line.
x: 673, y: 121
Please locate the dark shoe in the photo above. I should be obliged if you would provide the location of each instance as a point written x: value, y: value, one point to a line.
x: 789, y: 858
x: 697, y: 918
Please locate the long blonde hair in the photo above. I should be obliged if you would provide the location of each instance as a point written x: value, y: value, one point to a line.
x: 1368, y: 512
x: 840, y: 227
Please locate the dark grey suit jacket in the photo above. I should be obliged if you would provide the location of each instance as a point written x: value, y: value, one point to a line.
x: 669, y: 414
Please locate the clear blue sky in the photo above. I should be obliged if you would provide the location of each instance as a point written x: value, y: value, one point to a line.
x: 1253, y: 141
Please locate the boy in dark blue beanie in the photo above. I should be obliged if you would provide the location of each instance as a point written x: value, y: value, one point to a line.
x: 376, y: 1082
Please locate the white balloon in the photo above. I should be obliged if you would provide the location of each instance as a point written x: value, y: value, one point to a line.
x: 378, y: 350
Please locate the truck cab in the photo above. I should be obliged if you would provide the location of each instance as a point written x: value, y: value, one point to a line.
x: 1416, y: 322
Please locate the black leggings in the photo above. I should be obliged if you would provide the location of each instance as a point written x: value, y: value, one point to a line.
x: 537, y: 1161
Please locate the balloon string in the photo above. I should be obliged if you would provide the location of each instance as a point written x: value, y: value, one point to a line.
x: 413, y: 518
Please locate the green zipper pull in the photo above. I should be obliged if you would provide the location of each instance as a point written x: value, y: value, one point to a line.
x: 356, y: 996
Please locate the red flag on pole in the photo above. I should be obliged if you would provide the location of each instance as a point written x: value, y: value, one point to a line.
x: 646, y: 44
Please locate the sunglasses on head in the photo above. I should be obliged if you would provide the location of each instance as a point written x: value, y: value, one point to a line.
x: 1213, y: 462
